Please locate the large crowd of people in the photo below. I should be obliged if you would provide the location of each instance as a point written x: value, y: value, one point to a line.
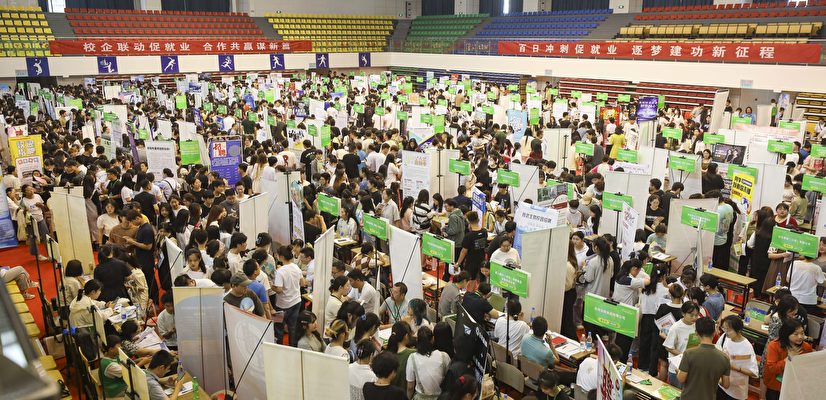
x: 132, y: 212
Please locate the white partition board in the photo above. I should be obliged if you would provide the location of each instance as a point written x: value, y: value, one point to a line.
x: 682, y: 239
x: 253, y: 216
x: 406, y: 261
x: 72, y: 228
x: 528, y: 182
x: 323, y: 269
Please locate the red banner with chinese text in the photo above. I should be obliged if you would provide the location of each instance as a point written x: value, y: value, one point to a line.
x: 130, y: 47
x: 731, y: 52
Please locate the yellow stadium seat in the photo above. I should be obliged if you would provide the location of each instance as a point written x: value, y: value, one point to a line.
x: 794, y: 30
x: 783, y: 30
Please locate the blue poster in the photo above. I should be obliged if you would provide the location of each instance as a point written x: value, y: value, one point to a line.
x: 37, y: 66
x: 364, y: 59
x: 226, y: 62
x: 277, y: 62
x: 107, y: 65
x: 250, y: 101
x: 478, y: 203
x: 518, y: 120
x: 169, y: 64
x: 196, y: 115
x: 322, y: 60
x: 8, y: 236
x: 647, y: 109
x: 225, y: 156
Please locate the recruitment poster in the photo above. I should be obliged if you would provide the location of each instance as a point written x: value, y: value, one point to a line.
x: 8, y: 235
x: 415, y: 173
x: 630, y: 219
x: 159, y: 156
x: 742, y: 190
x: 608, y: 377
x: 469, y: 342
x: 530, y: 217
x: 27, y: 155
x: 225, y: 156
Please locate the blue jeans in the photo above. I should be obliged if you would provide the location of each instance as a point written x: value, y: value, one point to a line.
x: 673, y: 381
x: 291, y: 319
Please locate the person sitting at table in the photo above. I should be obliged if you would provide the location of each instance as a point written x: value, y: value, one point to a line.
x: 339, y: 288
x: 308, y: 336
x: 166, y: 322
x: 704, y: 366
x: 537, y: 346
x: 550, y: 387
x: 714, y: 302
x: 111, y: 372
x: 511, y: 334
x: 508, y: 233
x: 161, y: 364
x: 741, y: 355
x: 346, y: 227
x: 80, y: 314
x: 658, y: 238
x: 368, y: 259
x: 72, y: 282
x: 395, y: 306
x: 417, y: 315
x: 586, y: 376
x: 789, y: 344
x: 677, y: 339
x: 129, y: 335
x: 367, y: 294
x: 506, y: 254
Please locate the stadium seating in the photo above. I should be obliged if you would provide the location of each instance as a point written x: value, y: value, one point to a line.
x: 335, y: 33
x: 140, y: 23
x: 438, y: 33
x: 545, y: 24
x: 738, y: 11
x: 24, y: 32
x: 682, y: 96
x: 797, y: 31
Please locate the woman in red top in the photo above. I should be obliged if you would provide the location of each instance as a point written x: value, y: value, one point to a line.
x: 788, y: 344
x: 782, y: 217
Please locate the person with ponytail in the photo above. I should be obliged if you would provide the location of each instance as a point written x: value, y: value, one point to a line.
x: 426, y: 368
x: 308, y: 336
x: 80, y: 315
x: 366, y: 327
x: 465, y: 388
x: 338, y: 331
x: 360, y: 371
x: 399, y: 344
x: 339, y: 287
x: 385, y: 367
x: 599, y: 269
x: 653, y: 295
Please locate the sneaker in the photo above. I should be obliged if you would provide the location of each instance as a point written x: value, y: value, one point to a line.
x: 43, y: 258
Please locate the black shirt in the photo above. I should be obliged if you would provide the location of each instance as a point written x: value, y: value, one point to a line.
x: 475, y: 242
x: 307, y: 156
x: 504, y: 200
x: 147, y: 201
x: 145, y: 235
x: 651, y: 215
x: 311, y: 233
x: 462, y: 200
x: 247, y: 182
x: 712, y: 182
x: 477, y: 306
x: 112, y: 274
x: 351, y: 165
x: 371, y: 391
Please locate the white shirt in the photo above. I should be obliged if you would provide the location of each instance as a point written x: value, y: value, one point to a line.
x: 288, y: 277
x: 235, y: 262
x: 427, y: 372
x: 369, y: 298
x: 803, y: 278
x: 500, y: 257
x: 627, y: 289
x: 375, y: 160
x: 518, y: 330
x: 31, y: 205
x: 650, y: 303
x: 107, y: 222
x: 741, y: 354
x: 337, y: 351
x: 166, y: 324
x: 677, y: 339
x: 359, y: 375
x: 268, y: 173
x: 586, y: 376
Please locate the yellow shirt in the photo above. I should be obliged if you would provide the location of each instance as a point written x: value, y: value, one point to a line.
x: 617, y: 142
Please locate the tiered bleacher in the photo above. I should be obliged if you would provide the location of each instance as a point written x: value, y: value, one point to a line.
x: 545, y: 24
x: 683, y: 96
x: 335, y: 33
x: 24, y: 32
x: 773, y: 31
x: 740, y: 11
x: 438, y: 33
x: 139, y: 23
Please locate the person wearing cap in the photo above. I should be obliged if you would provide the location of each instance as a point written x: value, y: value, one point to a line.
x: 241, y: 296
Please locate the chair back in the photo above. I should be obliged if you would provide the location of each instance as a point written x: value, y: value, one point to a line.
x: 530, y: 368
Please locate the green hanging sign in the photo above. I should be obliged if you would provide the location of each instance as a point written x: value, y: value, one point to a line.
x: 358, y: 108
x: 623, y: 98
x: 438, y: 247
x: 628, y: 155
x: 375, y: 226
x: 533, y: 116
x: 460, y: 167
x: 552, y: 91
x: 506, y: 177
x: 681, y: 163
x: 740, y: 120
x: 795, y: 242
x: 813, y: 183
x: 513, y: 280
x: 180, y: 102
x: 620, y: 318
x: 576, y: 94
x: 695, y: 217
x: 614, y: 201
x: 602, y: 96
x: 466, y: 107
x: 252, y: 116
x: 513, y: 88
x: 488, y: 110
x: 491, y: 96
x: 328, y: 204
x: 710, y: 138
x: 222, y: 109
x: 781, y: 147
x: 312, y: 130
x: 818, y: 151
x: 190, y: 152
x: 426, y: 119
x: 789, y: 125
x: 207, y: 106
x: 584, y: 148
x: 326, y: 136
x: 673, y: 133
x: 401, y: 115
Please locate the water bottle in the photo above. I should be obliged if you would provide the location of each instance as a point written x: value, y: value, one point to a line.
x: 180, y: 369
x: 582, y: 343
x: 123, y: 314
x: 710, y: 266
x: 629, y: 364
x: 778, y: 280
x: 589, y: 342
x: 748, y: 317
x: 196, y: 390
x: 533, y: 310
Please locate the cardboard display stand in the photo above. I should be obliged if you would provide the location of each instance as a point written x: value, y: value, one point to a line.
x: 253, y: 216
x: 546, y: 263
x: 71, y: 227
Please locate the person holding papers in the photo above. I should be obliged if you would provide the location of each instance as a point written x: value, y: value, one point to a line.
x: 678, y: 337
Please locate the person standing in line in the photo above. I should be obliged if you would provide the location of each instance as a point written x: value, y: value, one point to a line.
x: 703, y: 367
x: 741, y: 356
x: 287, y: 286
